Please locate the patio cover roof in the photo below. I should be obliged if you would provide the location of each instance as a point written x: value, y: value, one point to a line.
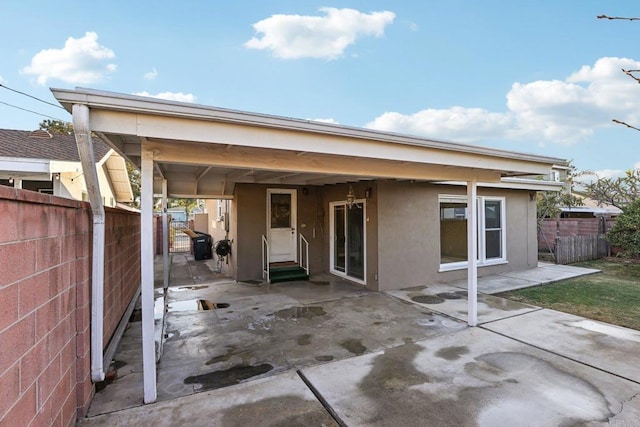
x: 204, y: 151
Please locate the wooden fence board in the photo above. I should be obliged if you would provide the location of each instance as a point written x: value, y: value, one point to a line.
x: 570, y: 249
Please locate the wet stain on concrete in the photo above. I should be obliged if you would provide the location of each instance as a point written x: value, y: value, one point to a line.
x: 117, y: 364
x: 449, y: 295
x: 427, y: 299
x: 324, y: 358
x: 452, y: 353
x: 190, y: 288
x: 304, y: 339
x: 234, y: 375
x: 300, y: 312
x: 319, y: 282
x: 354, y: 346
x: 462, y: 293
x: 502, y: 303
x: 276, y: 411
x: 496, y: 389
x: 377, y: 323
x: 195, y: 305
x: 231, y: 352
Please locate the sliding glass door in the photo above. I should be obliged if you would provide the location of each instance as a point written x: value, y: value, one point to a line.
x: 348, y: 240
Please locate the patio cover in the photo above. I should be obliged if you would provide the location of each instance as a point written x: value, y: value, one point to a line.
x: 196, y: 151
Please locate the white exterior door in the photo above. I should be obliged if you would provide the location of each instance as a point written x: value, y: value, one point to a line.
x: 281, y: 224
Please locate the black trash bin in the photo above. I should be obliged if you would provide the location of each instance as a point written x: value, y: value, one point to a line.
x: 202, y: 246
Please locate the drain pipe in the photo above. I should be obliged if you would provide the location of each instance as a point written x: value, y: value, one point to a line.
x: 82, y: 133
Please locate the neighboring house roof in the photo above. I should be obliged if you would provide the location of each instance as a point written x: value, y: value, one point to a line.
x: 41, y: 144
x: 594, y: 207
x: 36, y: 155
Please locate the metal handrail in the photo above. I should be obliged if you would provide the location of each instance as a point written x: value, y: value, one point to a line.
x: 304, y: 262
x: 265, y: 259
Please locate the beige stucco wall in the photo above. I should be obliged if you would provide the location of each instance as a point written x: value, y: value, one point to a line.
x: 338, y: 193
x: 409, y: 233
x: 72, y: 184
x: 251, y: 214
x: 402, y: 230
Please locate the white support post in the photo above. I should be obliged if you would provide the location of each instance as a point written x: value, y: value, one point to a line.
x: 146, y: 264
x: 165, y: 236
x: 82, y: 132
x: 472, y: 253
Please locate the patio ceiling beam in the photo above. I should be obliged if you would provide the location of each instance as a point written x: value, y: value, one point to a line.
x: 283, y: 160
x: 160, y: 171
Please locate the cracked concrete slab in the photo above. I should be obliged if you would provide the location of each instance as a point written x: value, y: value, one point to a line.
x: 471, y: 378
x: 452, y: 301
x: 607, y: 347
x: 282, y: 400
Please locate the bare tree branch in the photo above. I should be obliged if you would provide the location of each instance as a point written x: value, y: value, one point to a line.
x: 620, y: 122
x: 617, y: 17
x: 630, y: 74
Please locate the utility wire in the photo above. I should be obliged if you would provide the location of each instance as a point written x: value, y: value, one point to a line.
x: 31, y: 96
x: 30, y: 111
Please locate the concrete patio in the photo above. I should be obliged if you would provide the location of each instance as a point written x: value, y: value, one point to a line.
x: 327, y: 352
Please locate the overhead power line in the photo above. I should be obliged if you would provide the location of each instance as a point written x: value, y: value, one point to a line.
x: 30, y: 111
x: 31, y: 96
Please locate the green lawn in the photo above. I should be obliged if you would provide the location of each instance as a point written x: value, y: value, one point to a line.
x: 612, y: 296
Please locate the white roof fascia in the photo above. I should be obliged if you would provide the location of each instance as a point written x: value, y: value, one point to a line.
x: 23, y: 164
x: 515, y: 184
x: 132, y: 103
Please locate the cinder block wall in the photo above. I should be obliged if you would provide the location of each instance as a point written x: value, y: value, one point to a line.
x: 122, y: 266
x: 45, y: 282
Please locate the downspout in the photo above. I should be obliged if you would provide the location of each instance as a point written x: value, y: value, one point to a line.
x: 82, y: 133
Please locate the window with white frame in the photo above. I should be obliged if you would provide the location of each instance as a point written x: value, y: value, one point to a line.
x: 453, y: 231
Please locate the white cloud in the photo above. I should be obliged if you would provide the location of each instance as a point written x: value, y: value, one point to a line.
x: 332, y: 121
x: 170, y: 96
x: 2, y: 80
x: 151, y: 75
x: 556, y: 111
x: 327, y: 37
x: 459, y: 123
x: 80, y: 61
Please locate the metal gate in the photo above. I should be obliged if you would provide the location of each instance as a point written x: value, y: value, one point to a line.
x: 178, y: 240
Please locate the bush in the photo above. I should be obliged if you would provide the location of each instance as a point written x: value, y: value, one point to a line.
x: 626, y: 231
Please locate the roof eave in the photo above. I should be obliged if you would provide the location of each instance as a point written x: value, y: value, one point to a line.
x: 122, y: 102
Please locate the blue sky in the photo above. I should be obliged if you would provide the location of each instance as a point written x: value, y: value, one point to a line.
x: 537, y: 76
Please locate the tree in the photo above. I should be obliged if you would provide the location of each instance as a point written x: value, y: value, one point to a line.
x: 134, y: 179
x: 549, y: 203
x: 57, y: 126
x: 619, y: 192
x: 626, y: 231
x: 631, y: 73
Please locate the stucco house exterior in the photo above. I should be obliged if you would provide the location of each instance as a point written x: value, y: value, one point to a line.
x: 49, y: 163
x: 382, y: 210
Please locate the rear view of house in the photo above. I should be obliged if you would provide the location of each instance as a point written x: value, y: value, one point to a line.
x: 382, y: 210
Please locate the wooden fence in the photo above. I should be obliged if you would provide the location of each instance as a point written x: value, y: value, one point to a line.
x: 571, y: 240
x: 570, y: 249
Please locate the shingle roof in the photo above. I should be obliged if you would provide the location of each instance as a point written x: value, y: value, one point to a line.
x: 42, y: 145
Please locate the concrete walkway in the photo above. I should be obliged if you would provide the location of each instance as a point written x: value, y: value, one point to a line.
x: 375, y: 359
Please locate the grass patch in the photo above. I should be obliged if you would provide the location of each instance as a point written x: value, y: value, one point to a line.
x: 612, y: 296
